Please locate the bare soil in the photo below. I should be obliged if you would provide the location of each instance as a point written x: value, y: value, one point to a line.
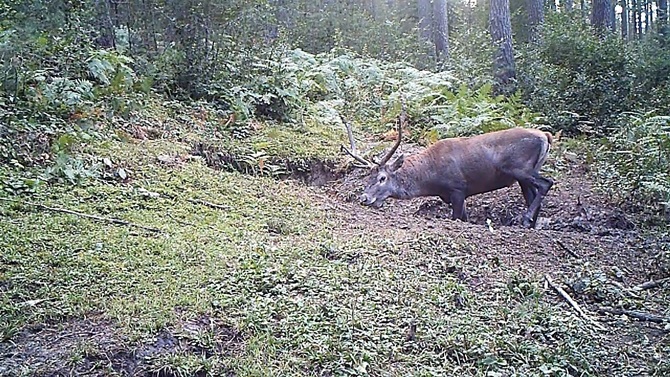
x: 575, y: 223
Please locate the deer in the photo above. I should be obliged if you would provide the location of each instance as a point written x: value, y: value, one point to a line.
x: 454, y: 169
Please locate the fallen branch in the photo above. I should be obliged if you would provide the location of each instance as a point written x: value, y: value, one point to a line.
x: 635, y: 314
x: 572, y: 302
x: 570, y: 251
x: 208, y: 204
x: 651, y: 284
x: 85, y: 215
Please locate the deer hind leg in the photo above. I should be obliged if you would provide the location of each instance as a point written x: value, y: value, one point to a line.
x: 542, y: 185
x: 457, y: 200
x: 529, y: 193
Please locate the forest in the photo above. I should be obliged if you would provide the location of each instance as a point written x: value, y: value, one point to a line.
x: 187, y: 188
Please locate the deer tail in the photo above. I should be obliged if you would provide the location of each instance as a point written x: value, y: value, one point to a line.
x: 550, y: 137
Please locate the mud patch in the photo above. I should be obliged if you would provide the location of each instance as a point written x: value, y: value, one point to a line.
x: 95, y: 347
x: 571, y: 206
x: 309, y: 171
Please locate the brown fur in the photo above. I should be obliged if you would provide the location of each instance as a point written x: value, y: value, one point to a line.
x: 457, y: 168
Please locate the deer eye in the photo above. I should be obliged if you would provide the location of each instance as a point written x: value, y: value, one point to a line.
x: 382, y: 179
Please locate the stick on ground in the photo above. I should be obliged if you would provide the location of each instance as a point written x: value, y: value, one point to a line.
x: 570, y: 251
x: 572, y: 302
x: 635, y: 314
x: 651, y: 284
x: 208, y: 204
x: 85, y: 215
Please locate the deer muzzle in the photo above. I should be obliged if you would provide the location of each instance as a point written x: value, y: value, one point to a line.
x: 370, y: 201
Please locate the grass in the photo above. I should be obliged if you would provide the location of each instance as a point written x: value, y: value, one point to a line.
x: 275, y: 284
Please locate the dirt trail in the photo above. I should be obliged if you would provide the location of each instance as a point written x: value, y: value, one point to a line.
x: 576, y: 227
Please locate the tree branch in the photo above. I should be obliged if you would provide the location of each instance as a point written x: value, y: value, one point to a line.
x: 635, y: 314
x: 572, y: 302
x: 651, y: 284
x: 85, y: 215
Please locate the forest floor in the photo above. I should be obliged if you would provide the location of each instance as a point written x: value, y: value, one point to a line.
x: 249, y: 276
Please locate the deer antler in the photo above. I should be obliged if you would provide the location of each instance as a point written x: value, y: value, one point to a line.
x: 352, y: 152
x: 401, y: 123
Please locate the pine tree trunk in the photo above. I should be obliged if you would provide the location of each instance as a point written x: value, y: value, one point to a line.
x: 441, y: 29
x: 535, y: 10
x: 624, y: 19
x: 500, y: 25
x: 662, y: 17
x: 601, y: 15
x: 425, y: 19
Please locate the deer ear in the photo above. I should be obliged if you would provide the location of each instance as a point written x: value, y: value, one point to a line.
x: 397, y: 163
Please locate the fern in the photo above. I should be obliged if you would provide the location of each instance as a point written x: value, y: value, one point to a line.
x: 635, y: 159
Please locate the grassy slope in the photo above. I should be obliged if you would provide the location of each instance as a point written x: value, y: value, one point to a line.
x: 276, y: 268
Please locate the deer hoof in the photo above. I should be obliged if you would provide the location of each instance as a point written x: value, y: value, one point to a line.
x: 527, y: 222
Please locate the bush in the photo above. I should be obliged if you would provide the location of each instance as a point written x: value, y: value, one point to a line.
x: 583, y: 82
x: 633, y: 161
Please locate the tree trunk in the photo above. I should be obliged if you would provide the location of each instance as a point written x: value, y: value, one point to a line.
x: 639, y: 18
x: 662, y: 17
x: 425, y: 19
x: 624, y: 19
x: 650, y: 17
x: 441, y: 18
x: 535, y: 10
x: 552, y: 4
x: 601, y: 15
x: 633, y: 18
x: 500, y: 24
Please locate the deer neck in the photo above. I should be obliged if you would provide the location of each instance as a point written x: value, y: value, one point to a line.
x: 413, y: 181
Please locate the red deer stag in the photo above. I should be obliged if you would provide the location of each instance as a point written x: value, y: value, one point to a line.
x: 456, y: 168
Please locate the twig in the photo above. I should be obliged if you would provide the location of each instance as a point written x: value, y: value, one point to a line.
x: 570, y: 251
x: 635, y: 314
x: 208, y: 204
x: 651, y: 284
x: 572, y: 302
x: 182, y: 222
x: 85, y: 215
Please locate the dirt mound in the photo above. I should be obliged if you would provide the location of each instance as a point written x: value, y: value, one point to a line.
x: 311, y: 171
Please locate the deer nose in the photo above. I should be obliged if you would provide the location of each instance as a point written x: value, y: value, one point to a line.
x: 363, y: 199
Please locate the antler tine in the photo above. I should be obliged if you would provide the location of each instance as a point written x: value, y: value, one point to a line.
x: 402, y: 122
x: 352, y: 142
x: 366, y: 164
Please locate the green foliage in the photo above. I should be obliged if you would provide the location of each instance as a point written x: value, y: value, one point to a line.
x: 582, y: 82
x: 112, y: 70
x: 469, y: 112
x: 382, y: 31
x: 634, y: 159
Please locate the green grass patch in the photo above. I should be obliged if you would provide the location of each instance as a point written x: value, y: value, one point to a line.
x: 307, y: 295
